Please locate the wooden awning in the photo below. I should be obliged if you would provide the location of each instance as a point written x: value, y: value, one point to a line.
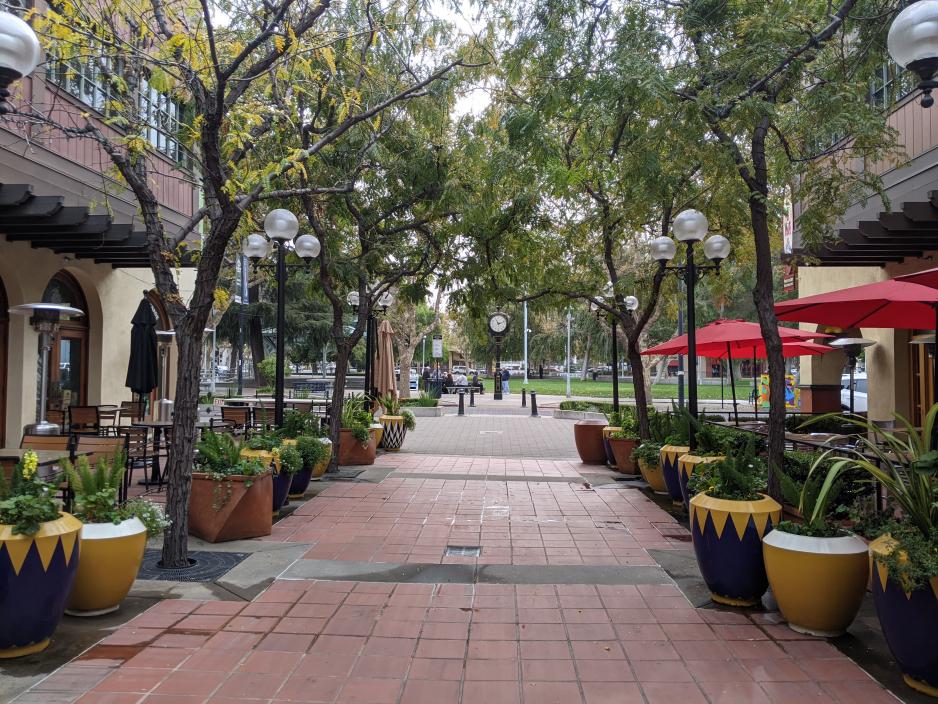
x: 890, y: 238
x: 45, y: 221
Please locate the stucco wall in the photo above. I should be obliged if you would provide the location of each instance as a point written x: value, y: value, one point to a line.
x: 112, y: 296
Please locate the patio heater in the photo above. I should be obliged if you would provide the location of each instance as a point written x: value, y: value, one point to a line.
x: 852, y: 347
x: 45, y: 319
x: 164, y: 407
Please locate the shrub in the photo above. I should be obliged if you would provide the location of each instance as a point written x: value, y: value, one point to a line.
x: 312, y: 450
x: 26, y: 501
x: 740, y: 477
x: 649, y: 452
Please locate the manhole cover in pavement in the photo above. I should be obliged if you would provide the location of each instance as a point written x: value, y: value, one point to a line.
x: 462, y: 551
x: 207, y: 566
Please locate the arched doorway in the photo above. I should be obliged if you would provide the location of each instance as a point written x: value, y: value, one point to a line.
x: 68, y: 361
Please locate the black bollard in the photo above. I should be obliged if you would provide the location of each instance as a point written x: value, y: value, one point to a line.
x: 533, y: 403
x: 524, y: 400
x: 472, y: 397
x: 462, y: 408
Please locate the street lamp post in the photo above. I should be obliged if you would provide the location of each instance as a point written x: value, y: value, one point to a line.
x: 631, y: 304
x: 19, y: 55
x: 913, y: 44
x: 281, y: 227
x: 690, y: 227
x: 569, y: 320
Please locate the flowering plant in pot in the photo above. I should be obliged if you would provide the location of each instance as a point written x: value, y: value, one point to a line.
x: 818, y: 571
x: 39, y: 555
x: 231, y: 495
x: 113, y: 538
x: 647, y: 457
x: 729, y: 515
x: 905, y: 550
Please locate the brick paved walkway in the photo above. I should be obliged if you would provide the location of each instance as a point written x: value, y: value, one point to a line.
x: 493, y: 436
x: 386, y: 642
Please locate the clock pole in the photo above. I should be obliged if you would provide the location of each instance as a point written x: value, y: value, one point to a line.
x: 497, y: 395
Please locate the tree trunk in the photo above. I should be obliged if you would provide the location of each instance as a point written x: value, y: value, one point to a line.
x: 342, y: 352
x: 405, y: 359
x: 182, y: 449
x: 641, y: 395
x: 586, y: 357
x: 256, y: 339
x: 764, y: 299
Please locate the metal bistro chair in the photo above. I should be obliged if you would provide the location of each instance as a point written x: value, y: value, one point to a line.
x: 132, y: 412
x: 263, y: 417
x: 84, y: 420
x: 54, y: 443
x: 238, y: 417
x: 138, y: 455
x: 109, y: 419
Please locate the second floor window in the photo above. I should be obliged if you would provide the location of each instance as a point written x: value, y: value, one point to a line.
x: 14, y: 7
x: 890, y: 84
x: 84, y: 78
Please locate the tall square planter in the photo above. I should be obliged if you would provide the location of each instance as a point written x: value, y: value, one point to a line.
x: 233, y: 508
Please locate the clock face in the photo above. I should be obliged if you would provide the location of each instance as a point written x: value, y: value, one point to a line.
x: 498, y: 323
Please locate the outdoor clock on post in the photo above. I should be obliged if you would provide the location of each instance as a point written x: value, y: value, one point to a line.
x: 498, y: 326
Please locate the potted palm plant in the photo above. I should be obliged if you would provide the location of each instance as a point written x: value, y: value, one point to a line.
x: 39, y: 551
x: 395, y: 421
x: 904, y: 552
x: 113, y: 537
x: 817, y: 570
x: 676, y: 444
x: 729, y: 515
x: 231, y: 496
x: 357, y: 442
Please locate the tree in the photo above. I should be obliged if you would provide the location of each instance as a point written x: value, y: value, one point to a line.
x: 412, y: 321
x: 243, y: 72
x: 780, y: 92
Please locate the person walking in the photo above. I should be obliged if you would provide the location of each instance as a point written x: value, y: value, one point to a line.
x: 426, y: 379
x: 506, y: 375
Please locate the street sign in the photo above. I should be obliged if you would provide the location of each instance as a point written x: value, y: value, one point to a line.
x: 438, y: 347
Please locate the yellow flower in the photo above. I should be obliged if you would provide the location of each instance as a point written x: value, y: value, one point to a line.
x: 30, y: 464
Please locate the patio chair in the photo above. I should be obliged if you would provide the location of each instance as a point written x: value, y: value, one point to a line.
x: 60, y: 443
x: 138, y: 455
x: 57, y: 416
x: 239, y: 417
x: 96, y: 447
x: 263, y: 417
x: 109, y: 419
x: 84, y: 420
x: 132, y: 411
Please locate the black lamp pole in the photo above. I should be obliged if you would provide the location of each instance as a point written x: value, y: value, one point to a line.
x: 497, y: 393
x: 615, y: 368
x: 281, y: 333
x: 690, y: 279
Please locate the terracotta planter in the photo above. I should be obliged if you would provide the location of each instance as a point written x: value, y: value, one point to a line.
x: 110, y: 559
x: 651, y: 473
x: 622, y: 449
x: 588, y: 435
x: 610, y: 457
x: 819, y: 583
x: 355, y: 452
x: 669, y: 456
x: 280, y: 487
x: 686, y: 464
x: 36, y: 576
x: 727, y: 539
x: 231, y: 509
x: 394, y: 432
x: 909, y: 621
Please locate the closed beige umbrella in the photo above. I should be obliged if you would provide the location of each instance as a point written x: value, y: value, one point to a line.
x: 385, y: 379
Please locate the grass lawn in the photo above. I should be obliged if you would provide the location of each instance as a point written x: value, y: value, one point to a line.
x: 603, y: 389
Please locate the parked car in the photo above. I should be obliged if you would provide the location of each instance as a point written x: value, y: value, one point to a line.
x: 859, y: 392
x: 459, y: 369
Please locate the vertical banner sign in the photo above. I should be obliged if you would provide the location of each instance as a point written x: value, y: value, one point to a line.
x: 788, y: 244
x: 437, y: 346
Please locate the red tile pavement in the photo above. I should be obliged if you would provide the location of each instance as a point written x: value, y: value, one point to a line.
x: 520, y: 523
x: 488, y: 467
x: 467, y: 643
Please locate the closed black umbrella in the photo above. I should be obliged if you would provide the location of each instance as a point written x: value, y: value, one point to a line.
x: 143, y: 366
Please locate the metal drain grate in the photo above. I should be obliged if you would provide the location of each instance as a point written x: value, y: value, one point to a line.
x: 462, y: 551
x: 205, y: 566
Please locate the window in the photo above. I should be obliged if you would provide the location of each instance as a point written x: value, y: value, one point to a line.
x: 890, y: 84
x: 15, y: 7
x: 85, y: 80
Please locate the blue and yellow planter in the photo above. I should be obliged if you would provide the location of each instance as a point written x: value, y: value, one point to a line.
x: 36, y: 576
x: 610, y: 457
x: 727, y: 539
x: 909, y: 621
x: 670, y: 454
x: 686, y: 464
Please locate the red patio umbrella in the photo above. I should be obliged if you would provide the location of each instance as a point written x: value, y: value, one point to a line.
x: 900, y: 304
x: 736, y: 339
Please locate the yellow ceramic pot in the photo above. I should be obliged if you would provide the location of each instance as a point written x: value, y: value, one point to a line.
x: 110, y: 558
x: 266, y: 457
x: 320, y: 468
x: 819, y: 583
x: 651, y: 473
x: 686, y: 464
x: 377, y: 430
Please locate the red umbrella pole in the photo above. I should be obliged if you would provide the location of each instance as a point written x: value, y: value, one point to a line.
x: 755, y: 385
x: 729, y: 360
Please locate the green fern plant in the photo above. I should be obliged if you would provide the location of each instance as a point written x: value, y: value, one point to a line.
x: 96, y: 488
x: 739, y: 477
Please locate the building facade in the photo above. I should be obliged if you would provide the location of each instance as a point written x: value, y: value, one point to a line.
x: 70, y: 233
x: 873, y: 244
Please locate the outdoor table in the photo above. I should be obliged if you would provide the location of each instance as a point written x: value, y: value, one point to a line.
x: 158, y: 427
x: 815, y: 439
